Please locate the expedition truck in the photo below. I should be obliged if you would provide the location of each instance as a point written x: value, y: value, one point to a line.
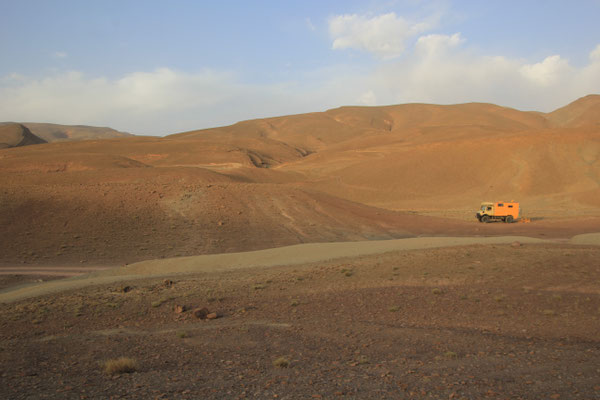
x: 507, y: 211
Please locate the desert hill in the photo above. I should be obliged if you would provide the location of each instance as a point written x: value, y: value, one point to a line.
x: 581, y: 113
x: 352, y: 173
x: 17, y: 135
x: 430, y: 157
x: 56, y: 132
x: 423, y: 122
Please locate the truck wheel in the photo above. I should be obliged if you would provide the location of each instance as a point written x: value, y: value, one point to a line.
x: 485, y: 219
x: 509, y: 219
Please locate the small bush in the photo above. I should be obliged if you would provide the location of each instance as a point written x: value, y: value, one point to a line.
x: 281, y: 362
x: 450, y: 354
x: 394, y: 309
x: 121, y: 365
x: 162, y: 301
x: 436, y: 291
x: 362, y: 360
x: 182, y: 335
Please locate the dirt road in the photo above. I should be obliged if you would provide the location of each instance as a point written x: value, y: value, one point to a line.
x: 289, y: 255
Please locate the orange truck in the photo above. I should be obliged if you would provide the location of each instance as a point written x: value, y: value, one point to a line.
x: 506, y: 211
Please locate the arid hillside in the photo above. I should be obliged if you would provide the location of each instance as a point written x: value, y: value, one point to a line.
x: 442, y: 159
x: 352, y: 173
x: 17, y: 135
x: 56, y: 132
x: 584, y: 112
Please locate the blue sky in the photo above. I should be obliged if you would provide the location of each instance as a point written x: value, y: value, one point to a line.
x: 157, y: 67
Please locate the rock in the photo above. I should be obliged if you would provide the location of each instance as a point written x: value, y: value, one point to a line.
x: 516, y: 244
x: 212, y: 316
x: 167, y: 283
x: 201, y: 313
x: 126, y: 289
x: 180, y: 309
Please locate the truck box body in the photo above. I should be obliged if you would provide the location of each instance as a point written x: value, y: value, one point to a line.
x: 503, y: 209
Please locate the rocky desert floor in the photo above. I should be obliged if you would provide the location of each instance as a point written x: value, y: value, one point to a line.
x: 504, y: 320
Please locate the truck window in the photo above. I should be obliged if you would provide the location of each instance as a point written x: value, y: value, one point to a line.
x: 510, y: 206
x: 500, y: 204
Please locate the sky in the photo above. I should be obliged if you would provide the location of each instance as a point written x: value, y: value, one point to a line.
x: 160, y: 67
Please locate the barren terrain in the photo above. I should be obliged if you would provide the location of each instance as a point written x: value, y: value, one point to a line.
x: 354, y: 173
x: 477, y: 321
x: 337, y: 253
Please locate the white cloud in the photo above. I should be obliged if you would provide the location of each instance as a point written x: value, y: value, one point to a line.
x: 436, y: 45
x: 595, y: 54
x: 547, y: 72
x: 310, y: 25
x: 13, y: 78
x: 367, y: 98
x: 160, y: 101
x: 442, y: 70
x: 157, y: 102
x: 383, y: 35
x: 60, y: 54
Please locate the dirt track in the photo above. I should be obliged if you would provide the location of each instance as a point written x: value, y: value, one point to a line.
x: 292, y: 255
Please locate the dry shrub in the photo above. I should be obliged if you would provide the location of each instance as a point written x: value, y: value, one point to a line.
x: 281, y: 362
x: 120, y: 365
